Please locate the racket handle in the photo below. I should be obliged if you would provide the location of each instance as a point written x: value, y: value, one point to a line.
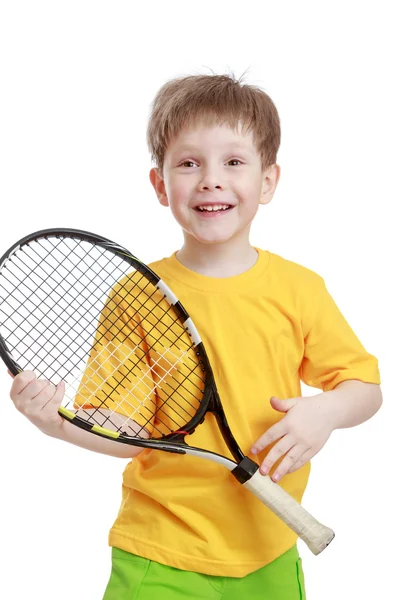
x: 312, y: 532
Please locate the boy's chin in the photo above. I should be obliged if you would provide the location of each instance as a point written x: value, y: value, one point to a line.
x: 218, y: 236
x: 212, y: 240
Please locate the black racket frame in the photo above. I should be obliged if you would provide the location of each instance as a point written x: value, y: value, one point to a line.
x: 210, y: 403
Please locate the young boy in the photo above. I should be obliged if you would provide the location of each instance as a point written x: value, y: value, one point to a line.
x: 185, y: 529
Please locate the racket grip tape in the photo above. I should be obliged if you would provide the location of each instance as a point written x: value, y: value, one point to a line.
x: 312, y: 532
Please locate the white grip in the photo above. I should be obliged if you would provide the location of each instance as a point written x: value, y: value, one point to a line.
x: 312, y: 532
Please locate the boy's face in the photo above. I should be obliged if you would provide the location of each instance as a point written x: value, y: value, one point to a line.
x: 213, y: 182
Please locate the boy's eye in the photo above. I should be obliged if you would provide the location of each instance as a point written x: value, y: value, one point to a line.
x: 190, y: 162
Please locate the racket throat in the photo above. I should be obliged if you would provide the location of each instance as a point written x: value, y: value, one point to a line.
x: 245, y: 470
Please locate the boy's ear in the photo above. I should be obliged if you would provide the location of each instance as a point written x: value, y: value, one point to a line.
x: 270, y: 181
x: 159, y: 186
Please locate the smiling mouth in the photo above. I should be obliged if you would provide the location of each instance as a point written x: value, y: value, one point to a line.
x: 214, y: 208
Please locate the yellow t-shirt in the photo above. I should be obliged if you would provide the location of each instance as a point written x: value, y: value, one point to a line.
x: 263, y: 330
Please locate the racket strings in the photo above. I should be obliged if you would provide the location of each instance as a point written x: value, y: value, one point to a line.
x: 149, y: 333
x: 128, y: 391
x: 152, y: 389
x: 157, y: 304
x: 53, y: 270
x: 45, y: 271
x: 142, y: 289
x: 38, y: 314
x: 82, y: 315
x: 166, y: 312
x: 23, y: 344
x: 153, y: 386
x: 177, y: 408
x: 43, y: 280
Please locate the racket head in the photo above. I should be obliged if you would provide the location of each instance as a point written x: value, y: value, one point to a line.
x: 76, y: 307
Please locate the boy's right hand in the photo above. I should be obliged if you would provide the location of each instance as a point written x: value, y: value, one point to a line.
x: 38, y: 400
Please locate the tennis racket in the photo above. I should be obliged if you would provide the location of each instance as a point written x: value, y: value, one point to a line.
x: 78, y: 307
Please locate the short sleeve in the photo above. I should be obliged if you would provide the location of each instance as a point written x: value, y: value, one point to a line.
x: 332, y: 351
x: 140, y: 360
x: 117, y: 376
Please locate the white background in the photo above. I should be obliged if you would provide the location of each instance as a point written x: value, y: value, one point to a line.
x: 77, y: 79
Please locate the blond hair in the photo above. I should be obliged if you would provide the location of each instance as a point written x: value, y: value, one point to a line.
x: 213, y: 100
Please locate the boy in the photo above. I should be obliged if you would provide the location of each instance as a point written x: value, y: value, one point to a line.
x: 214, y: 142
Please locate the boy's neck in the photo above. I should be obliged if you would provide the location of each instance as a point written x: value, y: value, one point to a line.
x: 218, y: 260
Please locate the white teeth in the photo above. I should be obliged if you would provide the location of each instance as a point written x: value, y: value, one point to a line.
x: 214, y: 208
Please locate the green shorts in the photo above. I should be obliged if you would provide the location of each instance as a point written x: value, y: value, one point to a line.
x: 136, y: 578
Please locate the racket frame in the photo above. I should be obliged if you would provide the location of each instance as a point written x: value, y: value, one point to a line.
x: 173, y: 442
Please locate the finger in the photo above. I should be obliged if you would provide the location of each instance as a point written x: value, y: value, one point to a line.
x: 21, y: 381
x: 35, y: 397
x: 276, y: 452
x: 272, y: 434
x: 33, y: 389
x: 55, y: 401
x: 45, y: 395
x: 10, y: 374
x: 283, y: 404
x: 28, y: 400
x: 304, y: 458
x: 291, y: 458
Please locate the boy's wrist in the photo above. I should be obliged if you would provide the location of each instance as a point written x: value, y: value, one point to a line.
x: 334, y: 405
x: 352, y: 402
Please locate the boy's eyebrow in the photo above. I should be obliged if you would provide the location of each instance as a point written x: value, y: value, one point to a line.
x: 227, y: 148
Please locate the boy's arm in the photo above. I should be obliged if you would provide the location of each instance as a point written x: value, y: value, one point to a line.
x: 39, y: 401
x: 352, y: 402
x: 84, y: 439
x: 309, y: 422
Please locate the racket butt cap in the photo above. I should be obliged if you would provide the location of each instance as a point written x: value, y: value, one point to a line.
x: 318, y: 548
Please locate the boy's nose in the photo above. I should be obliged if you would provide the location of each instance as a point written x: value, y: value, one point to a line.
x: 210, y: 181
x: 211, y: 178
x: 211, y: 187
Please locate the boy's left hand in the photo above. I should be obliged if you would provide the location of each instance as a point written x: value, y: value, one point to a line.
x: 302, y: 432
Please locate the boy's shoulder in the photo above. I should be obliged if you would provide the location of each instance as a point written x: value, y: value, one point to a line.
x: 290, y: 271
x: 157, y: 263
